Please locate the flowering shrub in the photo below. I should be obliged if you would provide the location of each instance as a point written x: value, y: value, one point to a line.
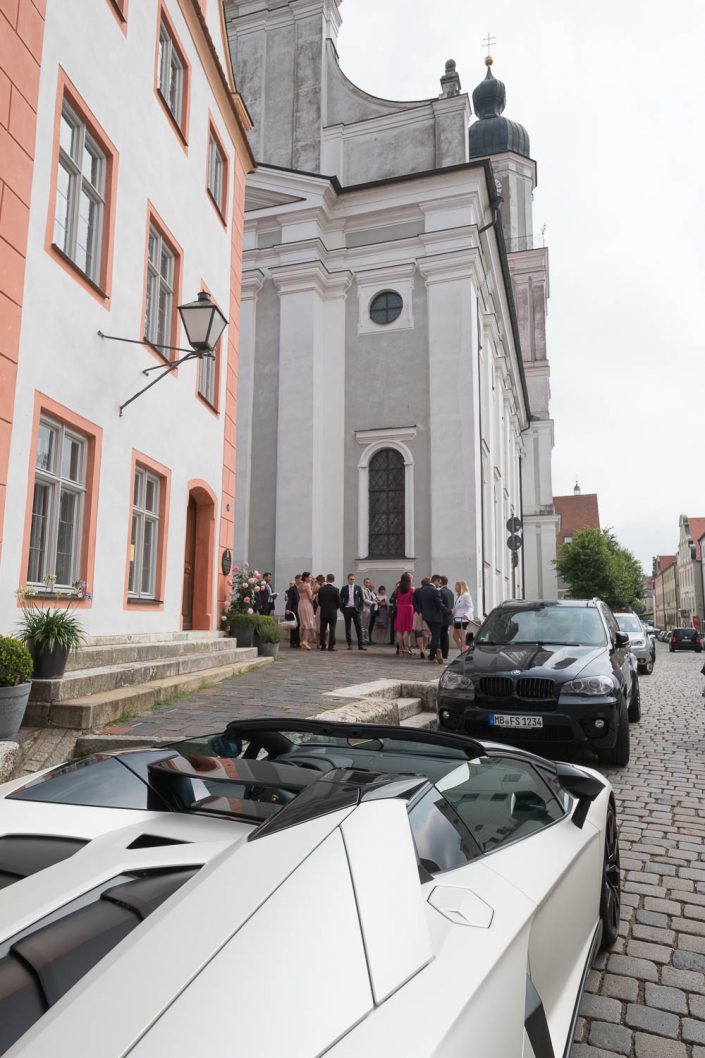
x: 244, y: 583
x: 48, y: 627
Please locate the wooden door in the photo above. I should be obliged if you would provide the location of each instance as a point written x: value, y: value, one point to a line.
x: 189, y: 561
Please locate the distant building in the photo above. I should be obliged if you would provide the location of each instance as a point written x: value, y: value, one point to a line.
x: 649, y: 598
x: 665, y: 577
x: 690, y: 577
x: 576, y: 511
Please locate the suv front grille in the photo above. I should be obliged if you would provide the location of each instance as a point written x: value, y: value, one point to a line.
x: 495, y: 687
x: 538, y: 690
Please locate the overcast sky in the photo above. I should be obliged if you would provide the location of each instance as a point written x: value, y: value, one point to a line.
x: 613, y: 98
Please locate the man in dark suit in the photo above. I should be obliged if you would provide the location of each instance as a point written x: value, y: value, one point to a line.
x: 265, y: 597
x: 328, y: 606
x: 449, y: 602
x: 434, y: 611
x: 352, y: 603
x: 292, y: 605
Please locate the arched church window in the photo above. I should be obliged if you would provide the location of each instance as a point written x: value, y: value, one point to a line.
x: 386, y: 307
x: 386, y: 504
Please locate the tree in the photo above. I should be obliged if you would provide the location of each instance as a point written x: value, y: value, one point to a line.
x: 594, y: 563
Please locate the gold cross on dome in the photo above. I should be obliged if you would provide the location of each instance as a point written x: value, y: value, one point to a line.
x: 488, y: 42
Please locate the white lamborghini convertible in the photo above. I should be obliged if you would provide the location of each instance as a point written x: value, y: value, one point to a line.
x: 289, y: 889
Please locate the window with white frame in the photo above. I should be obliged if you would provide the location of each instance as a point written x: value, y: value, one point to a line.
x: 144, y: 535
x: 216, y: 173
x: 160, y: 291
x: 171, y: 74
x: 207, y: 377
x: 80, y: 195
x: 57, y: 505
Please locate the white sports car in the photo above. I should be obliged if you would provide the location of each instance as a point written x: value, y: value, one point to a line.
x: 289, y: 889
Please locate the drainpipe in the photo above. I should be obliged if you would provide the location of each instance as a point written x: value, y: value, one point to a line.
x: 482, y: 484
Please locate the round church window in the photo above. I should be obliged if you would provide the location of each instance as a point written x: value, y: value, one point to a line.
x: 386, y: 307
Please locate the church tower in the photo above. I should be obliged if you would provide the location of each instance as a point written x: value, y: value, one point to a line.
x: 506, y: 144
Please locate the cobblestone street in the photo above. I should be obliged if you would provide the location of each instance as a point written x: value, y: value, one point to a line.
x: 646, y: 998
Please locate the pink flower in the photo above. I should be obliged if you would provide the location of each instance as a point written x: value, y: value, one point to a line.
x: 263, y: 586
x: 246, y: 565
x: 236, y: 568
x: 258, y: 574
x: 246, y: 599
x: 251, y: 580
x: 250, y: 610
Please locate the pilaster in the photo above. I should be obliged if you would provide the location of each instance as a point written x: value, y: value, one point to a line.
x: 251, y: 286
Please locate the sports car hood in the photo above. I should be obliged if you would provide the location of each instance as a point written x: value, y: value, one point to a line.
x: 535, y: 659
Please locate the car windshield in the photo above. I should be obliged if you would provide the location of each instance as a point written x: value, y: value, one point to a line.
x: 557, y: 625
x: 628, y: 622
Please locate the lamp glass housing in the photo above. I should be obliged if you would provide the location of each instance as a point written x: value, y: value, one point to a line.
x: 203, y: 322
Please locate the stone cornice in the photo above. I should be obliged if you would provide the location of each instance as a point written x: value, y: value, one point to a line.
x: 310, y: 275
x: 397, y: 433
x: 251, y: 284
x: 448, y: 267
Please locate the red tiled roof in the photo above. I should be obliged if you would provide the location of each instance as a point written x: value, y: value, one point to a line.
x: 697, y: 531
x: 576, y: 512
x: 665, y: 562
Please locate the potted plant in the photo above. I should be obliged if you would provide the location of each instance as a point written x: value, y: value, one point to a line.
x: 50, y: 632
x: 241, y: 618
x: 269, y: 636
x: 15, y: 684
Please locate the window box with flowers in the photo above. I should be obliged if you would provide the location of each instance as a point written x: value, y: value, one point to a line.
x: 50, y: 632
x: 241, y: 618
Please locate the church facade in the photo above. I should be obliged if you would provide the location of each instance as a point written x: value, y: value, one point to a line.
x: 393, y: 382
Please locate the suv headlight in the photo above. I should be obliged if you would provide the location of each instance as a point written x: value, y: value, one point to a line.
x: 589, y: 685
x: 453, y: 681
x: 638, y: 643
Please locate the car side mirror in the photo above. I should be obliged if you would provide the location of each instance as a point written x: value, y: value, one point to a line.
x: 621, y: 639
x: 585, y: 787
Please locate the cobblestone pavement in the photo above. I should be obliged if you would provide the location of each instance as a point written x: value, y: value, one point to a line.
x: 646, y: 997
x: 293, y: 686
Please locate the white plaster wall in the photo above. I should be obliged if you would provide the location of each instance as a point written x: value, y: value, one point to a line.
x: 60, y: 352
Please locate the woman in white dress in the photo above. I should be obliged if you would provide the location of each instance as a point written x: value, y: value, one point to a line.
x: 463, y: 614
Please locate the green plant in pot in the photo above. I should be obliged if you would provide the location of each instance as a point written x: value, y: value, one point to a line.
x: 241, y: 619
x: 15, y: 684
x: 50, y: 632
x: 269, y: 636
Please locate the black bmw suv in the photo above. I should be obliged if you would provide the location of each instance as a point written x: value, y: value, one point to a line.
x: 546, y: 672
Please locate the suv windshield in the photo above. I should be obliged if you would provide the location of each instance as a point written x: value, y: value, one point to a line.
x: 557, y: 625
x: 628, y: 622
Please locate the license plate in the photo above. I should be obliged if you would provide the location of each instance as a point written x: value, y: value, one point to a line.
x: 506, y: 720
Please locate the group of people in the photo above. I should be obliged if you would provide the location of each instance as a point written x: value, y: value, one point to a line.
x: 411, y: 617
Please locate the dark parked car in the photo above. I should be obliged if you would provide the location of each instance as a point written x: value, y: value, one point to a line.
x: 546, y: 672
x: 685, y: 639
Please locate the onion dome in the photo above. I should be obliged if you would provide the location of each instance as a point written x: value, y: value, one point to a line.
x: 492, y: 133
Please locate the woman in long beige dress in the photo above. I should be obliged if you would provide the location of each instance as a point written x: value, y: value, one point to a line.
x: 307, y: 621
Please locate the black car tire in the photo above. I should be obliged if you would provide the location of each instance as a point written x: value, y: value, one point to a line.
x: 618, y: 755
x: 648, y: 667
x: 635, y: 704
x: 671, y: 650
x: 610, y: 898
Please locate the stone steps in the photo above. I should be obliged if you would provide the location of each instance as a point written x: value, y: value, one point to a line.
x: 421, y: 721
x: 97, y: 679
x: 97, y: 655
x: 408, y: 707
x: 103, y: 707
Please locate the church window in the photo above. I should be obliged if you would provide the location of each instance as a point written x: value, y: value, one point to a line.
x: 386, y: 307
x: 386, y: 486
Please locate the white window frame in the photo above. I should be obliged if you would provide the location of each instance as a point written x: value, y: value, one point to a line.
x: 52, y: 478
x: 78, y: 185
x: 374, y: 441
x: 143, y: 515
x: 216, y: 173
x: 171, y: 66
x: 157, y: 283
x: 370, y: 283
x: 207, y: 381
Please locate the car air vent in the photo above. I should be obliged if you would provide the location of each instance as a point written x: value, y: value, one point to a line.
x: 43, y: 965
x: 496, y: 686
x: 25, y: 854
x: 153, y: 841
x: 536, y: 689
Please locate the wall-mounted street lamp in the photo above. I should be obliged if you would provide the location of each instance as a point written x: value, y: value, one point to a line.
x: 203, y: 322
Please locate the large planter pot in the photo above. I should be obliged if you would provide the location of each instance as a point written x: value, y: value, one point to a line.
x: 244, y: 633
x: 13, y: 702
x: 48, y: 664
x: 268, y: 650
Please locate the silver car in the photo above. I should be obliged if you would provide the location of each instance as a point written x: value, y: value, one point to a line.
x: 641, y: 644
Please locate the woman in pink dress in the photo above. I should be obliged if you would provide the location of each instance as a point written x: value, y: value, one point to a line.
x: 307, y: 620
x: 404, y: 620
